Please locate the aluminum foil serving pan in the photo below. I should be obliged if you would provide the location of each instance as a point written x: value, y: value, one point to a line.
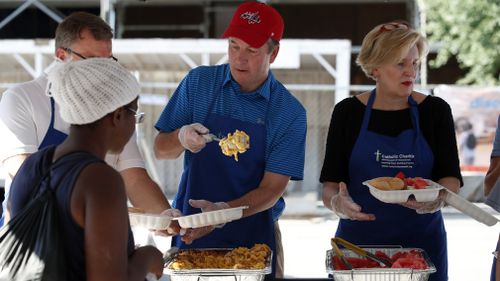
x: 216, y: 274
x: 430, y: 193
x: 211, y: 218
x: 149, y: 221
x: 380, y: 274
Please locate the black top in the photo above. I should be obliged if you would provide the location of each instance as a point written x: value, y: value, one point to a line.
x: 436, y: 124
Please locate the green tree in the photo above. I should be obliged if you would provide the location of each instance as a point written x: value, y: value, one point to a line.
x: 470, y: 31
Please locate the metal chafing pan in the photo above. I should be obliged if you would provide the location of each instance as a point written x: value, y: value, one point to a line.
x: 212, y: 274
x: 380, y: 274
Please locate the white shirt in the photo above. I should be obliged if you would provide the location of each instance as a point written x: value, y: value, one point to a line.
x: 25, y: 117
x: 25, y: 113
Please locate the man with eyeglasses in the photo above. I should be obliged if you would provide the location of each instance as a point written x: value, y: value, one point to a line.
x: 30, y: 120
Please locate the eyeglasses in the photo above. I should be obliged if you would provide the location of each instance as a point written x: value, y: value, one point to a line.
x: 69, y: 50
x: 392, y: 26
x: 139, y: 116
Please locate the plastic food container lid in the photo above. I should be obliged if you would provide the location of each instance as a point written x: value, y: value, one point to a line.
x: 149, y: 221
x: 469, y: 209
x: 211, y: 218
x: 430, y: 193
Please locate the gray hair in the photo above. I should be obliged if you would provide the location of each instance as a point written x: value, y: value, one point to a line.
x: 68, y: 31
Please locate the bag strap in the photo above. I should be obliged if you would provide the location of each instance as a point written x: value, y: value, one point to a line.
x: 47, y: 175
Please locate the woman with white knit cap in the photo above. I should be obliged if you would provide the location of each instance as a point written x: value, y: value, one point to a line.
x: 98, y: 97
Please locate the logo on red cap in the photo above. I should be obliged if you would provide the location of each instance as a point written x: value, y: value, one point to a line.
x: 251, y: 17
x: 255, y: 23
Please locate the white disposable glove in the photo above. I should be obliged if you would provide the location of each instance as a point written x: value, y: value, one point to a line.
x: 345, y: 208
x: 431, y: 207
x: 207, y: 206
x: 172, y: 212
x: 426, y: 207
x: 173, y: 228
x: 190, y: 137
x: 151, y: 277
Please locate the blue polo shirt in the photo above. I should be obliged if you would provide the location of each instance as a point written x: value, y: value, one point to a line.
x: 286, y: 123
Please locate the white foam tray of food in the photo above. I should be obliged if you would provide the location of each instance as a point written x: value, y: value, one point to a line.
x: 211, y: 217
x: 464, y: 206
x: 430, y: 193
x: 149, y: 221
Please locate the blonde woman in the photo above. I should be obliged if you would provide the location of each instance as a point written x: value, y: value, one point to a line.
x: 382, y: 132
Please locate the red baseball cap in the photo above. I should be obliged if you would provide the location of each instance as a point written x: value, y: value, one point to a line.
x: 255, y: 23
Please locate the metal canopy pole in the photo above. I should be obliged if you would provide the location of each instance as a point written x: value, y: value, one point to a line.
x: 55, y: 16
x: 16, y: 12
x: 108, y: 13
x: 422, y: 18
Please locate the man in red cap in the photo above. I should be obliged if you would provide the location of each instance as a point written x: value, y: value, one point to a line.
x: 241, y: 95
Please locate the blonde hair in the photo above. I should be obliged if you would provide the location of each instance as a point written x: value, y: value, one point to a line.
x: 387, y: 46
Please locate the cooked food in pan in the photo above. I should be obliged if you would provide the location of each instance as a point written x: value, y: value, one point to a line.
x: 238, y: 258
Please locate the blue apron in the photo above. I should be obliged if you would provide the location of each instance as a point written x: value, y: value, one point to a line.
x: 215, y: 177
x: 52, y: 136
x: 376, y: 155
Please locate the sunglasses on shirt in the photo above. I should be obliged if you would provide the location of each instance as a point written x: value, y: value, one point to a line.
x: 391, y: 26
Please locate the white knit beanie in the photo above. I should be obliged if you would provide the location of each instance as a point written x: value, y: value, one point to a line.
x: 87, y: 90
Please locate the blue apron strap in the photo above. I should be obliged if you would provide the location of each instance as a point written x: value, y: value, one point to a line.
x: 52, y: 136
x: 416, y: 125
x: 52, y: 112
x: 414, y: 114
x: 368, y: 111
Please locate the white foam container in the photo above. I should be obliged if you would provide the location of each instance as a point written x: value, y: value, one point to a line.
x: 430, y: 193
x: 211, y: 218
x: 469, y: 209
x: 149, y: 221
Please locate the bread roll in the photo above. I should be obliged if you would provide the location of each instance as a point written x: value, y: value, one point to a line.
x: 387, y: 183
x: 135, y: 210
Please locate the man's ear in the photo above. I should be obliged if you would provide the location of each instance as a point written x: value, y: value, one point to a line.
x: 61, y: 54
x: 274, y: 53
